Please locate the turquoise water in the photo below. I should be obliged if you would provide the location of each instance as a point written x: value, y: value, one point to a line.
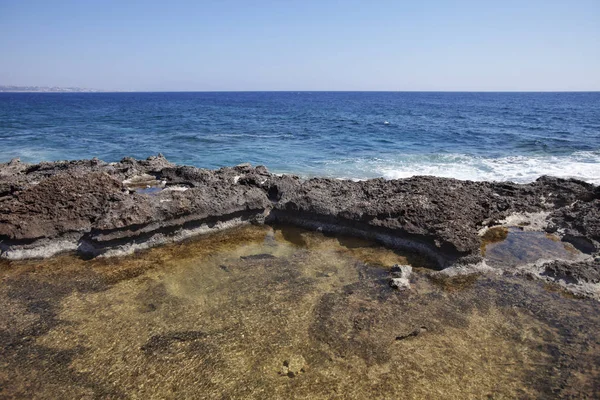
x: 479, y: 136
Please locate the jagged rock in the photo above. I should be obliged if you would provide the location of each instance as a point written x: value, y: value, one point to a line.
x: 438, y: 216
x: 400, y: 276
x: 401, y: 271
x: 49, y: 207
x: 84, y: 205
x: 579, y: 224
x: 579, y: 272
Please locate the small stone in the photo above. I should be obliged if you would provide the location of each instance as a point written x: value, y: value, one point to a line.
x: 400, y: 283
x: 401, y: 271
x: 400, y: 275
x: 294, y: 365
x: 414, y: 333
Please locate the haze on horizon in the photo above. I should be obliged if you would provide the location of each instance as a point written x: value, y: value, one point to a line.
x: 302, y: 45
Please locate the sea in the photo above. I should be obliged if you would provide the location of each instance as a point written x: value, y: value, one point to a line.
x: 353, y: 135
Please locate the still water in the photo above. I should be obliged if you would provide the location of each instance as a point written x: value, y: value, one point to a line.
x: 277, y: 312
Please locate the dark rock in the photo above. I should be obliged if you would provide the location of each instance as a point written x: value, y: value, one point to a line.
x: 84, y: 203
x: 224, y: 268
x: 579, y: 223
x: 580, y: 272
x: 55, y: 206
x: 413, y: 333
x: 442, y: 215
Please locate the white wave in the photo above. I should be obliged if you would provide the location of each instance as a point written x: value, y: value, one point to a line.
x: 30, y: 155
x: 520, y: 169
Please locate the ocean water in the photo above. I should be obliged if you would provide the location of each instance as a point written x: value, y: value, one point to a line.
x: 355, y: 135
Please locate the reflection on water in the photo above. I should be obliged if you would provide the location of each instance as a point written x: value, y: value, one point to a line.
x: 509, y: 247
x: 263, y: 313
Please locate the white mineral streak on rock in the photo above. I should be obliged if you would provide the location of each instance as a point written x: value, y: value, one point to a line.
x: 176, y: 189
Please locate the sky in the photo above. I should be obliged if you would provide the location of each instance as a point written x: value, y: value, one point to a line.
x: 223, y: 45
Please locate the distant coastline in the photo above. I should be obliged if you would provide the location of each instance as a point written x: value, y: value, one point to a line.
x: 59, y: 89
x: 44, y: 89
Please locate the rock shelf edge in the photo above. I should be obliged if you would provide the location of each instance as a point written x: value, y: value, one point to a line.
x: 110, y: 209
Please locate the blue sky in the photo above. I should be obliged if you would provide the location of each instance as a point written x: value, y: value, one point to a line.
x: 302, y: 45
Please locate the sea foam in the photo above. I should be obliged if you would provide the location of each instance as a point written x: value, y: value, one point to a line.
x: 519, y: 169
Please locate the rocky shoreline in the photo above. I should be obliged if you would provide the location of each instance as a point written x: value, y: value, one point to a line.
x: 107, y: 209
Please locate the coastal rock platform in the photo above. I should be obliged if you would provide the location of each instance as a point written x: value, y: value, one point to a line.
x: 107, y: 209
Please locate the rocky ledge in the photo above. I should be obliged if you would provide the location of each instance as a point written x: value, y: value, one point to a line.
x: 102, y: 209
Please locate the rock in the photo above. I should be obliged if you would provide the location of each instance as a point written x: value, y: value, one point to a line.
x: 224, y: 268
x: 86, y: 204
x: 414, y: 333
x: 578, y: 224
x: 400, y: 276
x: 573, y: 272
x: 52, y: 207
x: 436, y: 216
x: 293, y: 366
x: 400, y: 283
x: 401, y: 271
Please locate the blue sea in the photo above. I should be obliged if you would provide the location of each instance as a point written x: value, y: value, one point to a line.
x: 355, y: 135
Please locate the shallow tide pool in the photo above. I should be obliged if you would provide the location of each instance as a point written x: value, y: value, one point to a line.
x: 278, y: 312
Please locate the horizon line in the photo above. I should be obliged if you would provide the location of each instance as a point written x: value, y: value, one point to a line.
x: 92, y: 91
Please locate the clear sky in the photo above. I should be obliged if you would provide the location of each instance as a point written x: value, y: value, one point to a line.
x: 301, y: 45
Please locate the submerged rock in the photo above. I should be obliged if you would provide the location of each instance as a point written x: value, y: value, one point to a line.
x: 293, y: 366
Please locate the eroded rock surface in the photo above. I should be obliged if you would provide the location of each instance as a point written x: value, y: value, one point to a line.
x: 104, y: 208
x: 49, y: 207
x: 579, y: 224
x: 581, y: 272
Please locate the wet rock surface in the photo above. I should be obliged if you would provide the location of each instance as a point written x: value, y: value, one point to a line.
x: 579, y: 224
x: 580, y: 272
x: 171, y: 323
x: 95, y: 206
x: 99, y: 208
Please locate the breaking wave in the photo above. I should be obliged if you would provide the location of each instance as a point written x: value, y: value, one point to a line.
x: 520, y: 169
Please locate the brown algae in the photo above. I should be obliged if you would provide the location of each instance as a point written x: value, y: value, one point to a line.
x: 258, y: 312
x: 493, y: 235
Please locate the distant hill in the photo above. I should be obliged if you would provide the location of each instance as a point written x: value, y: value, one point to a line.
x: 45, y: 89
